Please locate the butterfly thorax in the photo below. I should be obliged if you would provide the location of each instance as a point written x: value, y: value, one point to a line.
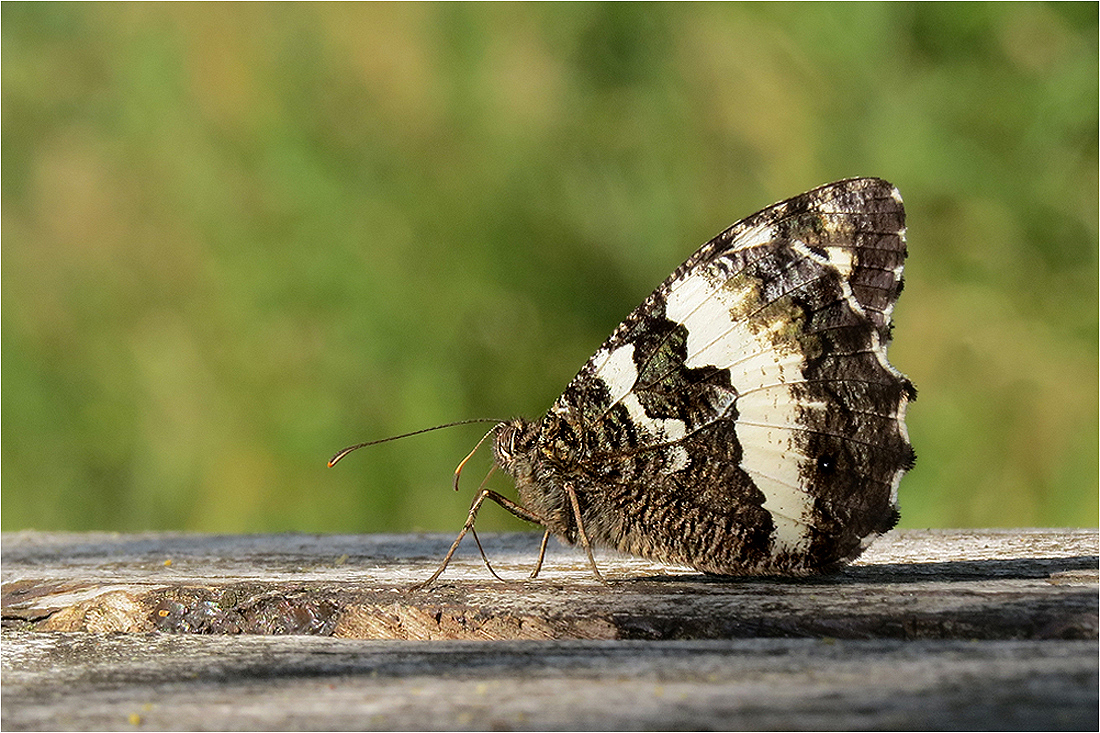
x: 538, y: 456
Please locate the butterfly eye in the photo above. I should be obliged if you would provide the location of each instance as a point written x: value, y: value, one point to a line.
x: 826, y: 463
x: 504, y: 443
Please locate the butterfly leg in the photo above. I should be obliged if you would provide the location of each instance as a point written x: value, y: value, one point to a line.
x: 510, y: 506
x: 580, y: 531
x: 484, y: 557
x: 542, y: 554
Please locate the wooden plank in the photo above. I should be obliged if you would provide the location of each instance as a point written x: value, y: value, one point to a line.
x: 187, y: 682
x: 1012, y: 584
x: 931, y: 631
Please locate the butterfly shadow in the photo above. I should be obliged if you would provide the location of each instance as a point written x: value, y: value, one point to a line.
x: 1080, y: 568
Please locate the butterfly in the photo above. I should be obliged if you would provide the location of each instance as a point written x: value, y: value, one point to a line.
x: 744, y: 419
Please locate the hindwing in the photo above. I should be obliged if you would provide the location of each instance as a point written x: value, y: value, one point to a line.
x: 745, y: 418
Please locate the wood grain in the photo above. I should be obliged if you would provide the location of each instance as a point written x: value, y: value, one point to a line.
x: 930, y: 631
x: 1018, y: 584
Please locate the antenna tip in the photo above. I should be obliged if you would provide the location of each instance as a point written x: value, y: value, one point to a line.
x: 336, y: 458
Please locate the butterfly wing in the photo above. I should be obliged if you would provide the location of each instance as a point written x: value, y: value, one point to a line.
x: 744, y: 418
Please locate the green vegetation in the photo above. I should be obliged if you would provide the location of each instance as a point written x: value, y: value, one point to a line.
x: 240, y: 237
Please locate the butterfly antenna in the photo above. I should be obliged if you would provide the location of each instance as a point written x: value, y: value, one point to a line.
x: 458, y: 471
x: 339, y: 456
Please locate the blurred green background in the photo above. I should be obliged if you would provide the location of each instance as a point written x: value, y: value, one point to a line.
x: 237, y: 238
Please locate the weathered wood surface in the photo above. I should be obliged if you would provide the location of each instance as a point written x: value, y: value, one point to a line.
x: 1017, y: 584
x: 931, y: 630
x: 186, y: 682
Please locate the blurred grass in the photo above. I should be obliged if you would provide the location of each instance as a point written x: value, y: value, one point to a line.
x: 240, y: 237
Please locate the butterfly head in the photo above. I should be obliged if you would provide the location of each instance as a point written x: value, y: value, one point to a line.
x: 515, y: 444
